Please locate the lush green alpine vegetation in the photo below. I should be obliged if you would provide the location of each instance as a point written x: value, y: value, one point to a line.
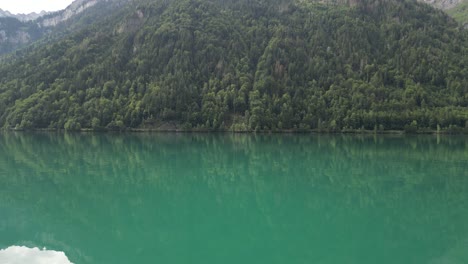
x: 246, y: 65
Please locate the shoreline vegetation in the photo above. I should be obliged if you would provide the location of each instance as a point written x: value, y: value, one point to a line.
x: 180, y: 129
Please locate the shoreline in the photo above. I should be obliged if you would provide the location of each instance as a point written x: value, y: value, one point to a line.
x: 283, y: 131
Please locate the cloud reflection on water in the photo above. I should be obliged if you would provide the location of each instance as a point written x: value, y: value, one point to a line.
x: 25, y: 255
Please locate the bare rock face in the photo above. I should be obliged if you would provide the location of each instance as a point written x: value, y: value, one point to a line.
x: 133, y: 23
x: 75, y: 8
x: 443, y: 4
x: 10, y: 40
x: 4, y: 13
x: 3, y: 36
x: 21, y: 37
x: 18, y: 37
x: 30, y: 16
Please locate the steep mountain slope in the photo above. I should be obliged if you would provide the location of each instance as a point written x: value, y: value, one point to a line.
x: 460, y: 12
x: 444, y: 4
x: 247, y: 65
x: 17, y: 31
x: 15, y: 34
x: 458, y: 9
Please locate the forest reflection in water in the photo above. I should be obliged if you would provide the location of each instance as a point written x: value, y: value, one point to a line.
x: 115, y: 198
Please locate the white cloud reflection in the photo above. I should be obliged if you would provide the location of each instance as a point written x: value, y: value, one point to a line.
x: 25, y: 255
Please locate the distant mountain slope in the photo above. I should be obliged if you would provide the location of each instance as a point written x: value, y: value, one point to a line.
x: 247, y: 65
x: 16, y: 31
x: 22, y: 17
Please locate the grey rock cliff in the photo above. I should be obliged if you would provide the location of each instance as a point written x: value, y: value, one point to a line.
x: 443, y: 4
x: 75, y: 8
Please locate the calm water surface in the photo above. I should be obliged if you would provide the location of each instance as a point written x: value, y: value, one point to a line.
x: 203, y: 198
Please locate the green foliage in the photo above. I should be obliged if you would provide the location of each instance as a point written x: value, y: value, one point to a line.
x: 460, y: 12
x: 412, y: 128
x: 246, y: 65
x: 72, y: 125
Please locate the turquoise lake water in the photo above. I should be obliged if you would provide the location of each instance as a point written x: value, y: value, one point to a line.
x: 224, y: 198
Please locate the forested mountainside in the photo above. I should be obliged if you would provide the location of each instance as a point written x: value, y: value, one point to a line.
x: 17, y: 31
x: 247, y: 65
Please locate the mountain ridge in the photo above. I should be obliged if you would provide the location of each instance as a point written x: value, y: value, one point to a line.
x: 23, y: 17
x: 26, y: 33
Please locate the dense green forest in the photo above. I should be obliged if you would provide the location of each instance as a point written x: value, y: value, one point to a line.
x: 247, y: 65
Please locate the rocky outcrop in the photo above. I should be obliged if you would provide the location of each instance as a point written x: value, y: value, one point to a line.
x: 75, y: 8
x: 133, y: 23
x: 15, y: 33
x: 443, y: 4
x: 20, y: 37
